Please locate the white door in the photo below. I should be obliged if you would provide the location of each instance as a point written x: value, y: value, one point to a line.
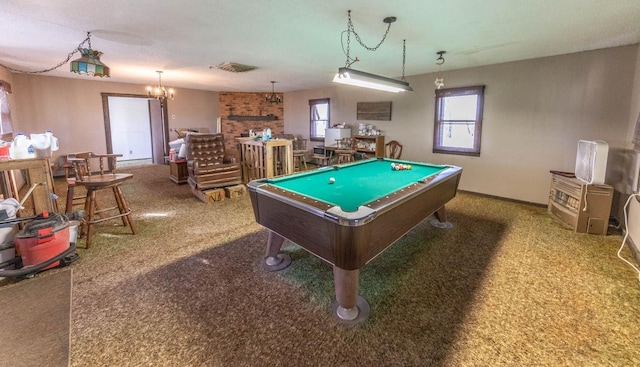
x: 130, y: 127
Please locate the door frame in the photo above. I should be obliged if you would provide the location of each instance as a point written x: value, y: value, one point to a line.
x: 159, y: 124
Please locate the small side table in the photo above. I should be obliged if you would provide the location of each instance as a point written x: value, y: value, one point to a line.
x: 178, y: 171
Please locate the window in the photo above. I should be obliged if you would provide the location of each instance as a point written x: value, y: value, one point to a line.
x: 319, y: 117
x: 5, y: 114
x: 458, y: 120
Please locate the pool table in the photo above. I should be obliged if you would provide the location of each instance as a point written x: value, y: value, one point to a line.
x: 348, y: 214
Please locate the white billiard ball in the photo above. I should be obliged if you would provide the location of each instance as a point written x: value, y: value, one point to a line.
x: 332, y: 180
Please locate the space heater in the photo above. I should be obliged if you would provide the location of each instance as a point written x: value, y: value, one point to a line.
x: 591, y: 161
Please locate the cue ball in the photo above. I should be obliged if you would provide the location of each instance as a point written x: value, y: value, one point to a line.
x: 332, y: 180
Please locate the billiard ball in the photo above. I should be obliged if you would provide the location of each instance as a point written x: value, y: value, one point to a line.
x: 408, y: 166
x: 332, y: 180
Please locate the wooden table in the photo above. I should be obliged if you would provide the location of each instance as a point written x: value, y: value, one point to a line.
x: 178, y: 171
x: 265, y: 158
x: 37, y: 174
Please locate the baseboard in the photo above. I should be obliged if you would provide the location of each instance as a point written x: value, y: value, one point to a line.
x: 503, y: 198
x: 635, y: 251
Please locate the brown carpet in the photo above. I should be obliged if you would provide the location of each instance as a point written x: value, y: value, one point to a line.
x: 506, y: 286
x: 35, y: 321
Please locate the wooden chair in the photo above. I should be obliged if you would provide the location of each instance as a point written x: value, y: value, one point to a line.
x: 393, y: 149
x: 323, y: 159
x: 95, y: 182
x: 346, y: 150
x: 251, y: 165
x: 72, y: 198
x: 299, y: 154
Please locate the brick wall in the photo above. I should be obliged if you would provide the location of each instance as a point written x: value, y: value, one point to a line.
x: 247, y: 104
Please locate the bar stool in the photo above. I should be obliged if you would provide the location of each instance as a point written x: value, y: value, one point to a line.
x: 96, y: 182
x: 299, y: 154
x: 323, y: 159
x: 346, y: 150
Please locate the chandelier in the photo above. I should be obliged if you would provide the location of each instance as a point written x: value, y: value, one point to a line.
x: 349, y: 76
x: 273, y: 98
x: 88, y: 64
x: 440, y: 60
x: 159, y: 91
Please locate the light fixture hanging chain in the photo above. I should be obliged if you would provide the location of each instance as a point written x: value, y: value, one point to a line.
x: 86, y: 40
x: 347, y: 63
x: 350, y: 28
x: 404, y: 56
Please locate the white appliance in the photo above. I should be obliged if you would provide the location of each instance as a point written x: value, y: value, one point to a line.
x: 591, y: 161
x: 333, y: 134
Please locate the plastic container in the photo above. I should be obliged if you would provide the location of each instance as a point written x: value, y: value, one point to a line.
x: 53, y: 141
x: 44, y: 144
x: 43, y: 239
x: 73, y: 230
x: 4, y: 151
x: 21, y: 147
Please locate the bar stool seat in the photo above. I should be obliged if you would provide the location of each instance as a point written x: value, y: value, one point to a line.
x: 95, y: 183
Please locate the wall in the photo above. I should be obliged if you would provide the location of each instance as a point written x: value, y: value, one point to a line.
x: 72, y: 108
x: 247, y: 105
x: 534, y: 114
x: 633, y: 223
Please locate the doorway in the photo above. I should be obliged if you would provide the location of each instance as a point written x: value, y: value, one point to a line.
x: 136, y: 127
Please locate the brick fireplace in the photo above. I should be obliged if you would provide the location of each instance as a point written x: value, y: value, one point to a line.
x: 241, y: 112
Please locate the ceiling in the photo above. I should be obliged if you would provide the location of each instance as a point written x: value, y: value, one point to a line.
x: 298, y: 43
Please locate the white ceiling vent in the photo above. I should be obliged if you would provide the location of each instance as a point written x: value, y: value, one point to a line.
x: 233, y: 67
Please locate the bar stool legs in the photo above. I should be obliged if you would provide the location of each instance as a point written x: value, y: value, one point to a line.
x: 345, y: 158
x: 298, y: 161
x: 95, y: 215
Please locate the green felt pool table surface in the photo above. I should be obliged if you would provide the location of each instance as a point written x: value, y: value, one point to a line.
x: 356, y: 184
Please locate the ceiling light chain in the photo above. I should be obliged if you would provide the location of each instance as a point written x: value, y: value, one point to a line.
x: 86, y: 40
x: 439, y: 82
x: 351, y: 29
x: 273, y: 98
x: 404, y: 56
x: 387, y: 20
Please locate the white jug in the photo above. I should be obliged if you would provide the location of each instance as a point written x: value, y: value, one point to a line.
x: 53, y: 141
x: 21, y: 147
x: 45, y: 141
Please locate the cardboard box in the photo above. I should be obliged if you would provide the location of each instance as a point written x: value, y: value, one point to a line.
x: 235, y: 191
x: 214, y: 195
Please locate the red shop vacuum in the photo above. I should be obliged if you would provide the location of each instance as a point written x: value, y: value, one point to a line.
x: 42, y: 239
x: 43, y: 243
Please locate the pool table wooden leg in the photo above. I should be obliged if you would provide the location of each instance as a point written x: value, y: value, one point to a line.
x: 441, y: 219
x: 349, y: 307
x: 274, y: 259
x: 441, y: 215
